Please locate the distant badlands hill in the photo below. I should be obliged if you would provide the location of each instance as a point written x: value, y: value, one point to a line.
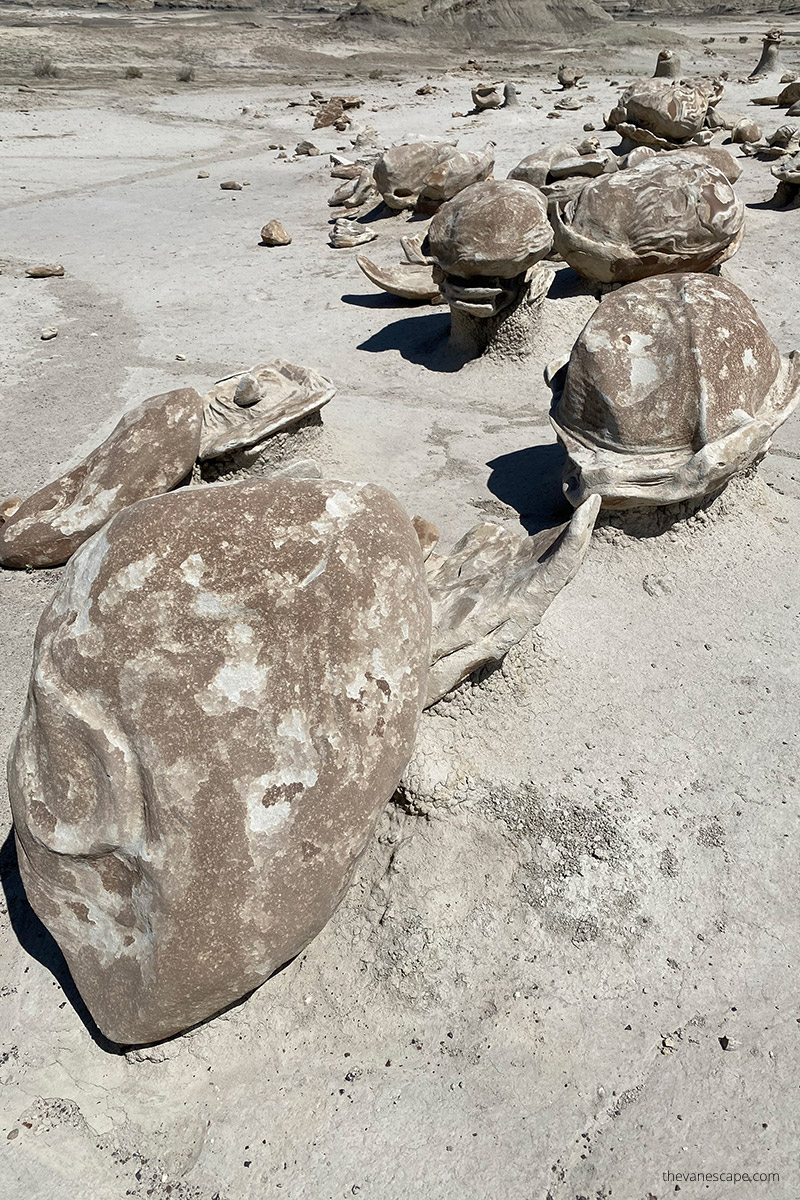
x: 510, y: 15
x: 550, y: 15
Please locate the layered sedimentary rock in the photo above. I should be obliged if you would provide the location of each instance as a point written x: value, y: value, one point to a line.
x: 151, y: 450
x: 226, y: 689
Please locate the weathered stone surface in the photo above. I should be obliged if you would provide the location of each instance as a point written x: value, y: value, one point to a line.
x: 457, y: 172
x: 486, y: 246
x: 746, y: 130
x: 47, y: 271
x: 357, y: 190
x: 495, y: 228
x: 402, y: 172
x: 250, y: 406
x: 710, y: 156
x: 227, y: 687
x: 668, y: 213
x: 674, y: 111
x: 493, y: 588
x: 673, y: 386
x: 668, y: 65
x: 151, y: 450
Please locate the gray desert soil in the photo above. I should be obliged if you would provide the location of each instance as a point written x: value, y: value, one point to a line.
x: 568, y: 963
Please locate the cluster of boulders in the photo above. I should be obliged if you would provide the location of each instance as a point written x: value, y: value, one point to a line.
x: 228, y: 681
x: 226, y: 689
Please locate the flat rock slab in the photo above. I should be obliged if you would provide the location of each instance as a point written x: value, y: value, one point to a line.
x: 227, y: 688
x: 250, y: 406
x: 151, y: 450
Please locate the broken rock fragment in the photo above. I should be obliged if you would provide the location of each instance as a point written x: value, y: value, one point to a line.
x: 493, y: 588
x: 151, y: 450
x: 227, y: 688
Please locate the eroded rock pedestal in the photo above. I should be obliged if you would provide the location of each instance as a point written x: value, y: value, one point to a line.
x: 226, y: 690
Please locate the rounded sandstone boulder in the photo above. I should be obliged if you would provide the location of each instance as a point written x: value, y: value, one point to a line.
x: 226, y: 689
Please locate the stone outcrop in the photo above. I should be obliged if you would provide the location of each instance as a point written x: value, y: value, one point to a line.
x: 226, y: 689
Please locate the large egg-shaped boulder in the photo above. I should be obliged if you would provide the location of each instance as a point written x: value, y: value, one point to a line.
x: 675, y: 111
x: 495, y: 228
x: 665, y: 214
x: 673, y: 385
x: 226, y: 689
x: 401, y: 172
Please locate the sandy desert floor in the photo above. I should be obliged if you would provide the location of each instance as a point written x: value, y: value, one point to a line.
x: 589, y: 886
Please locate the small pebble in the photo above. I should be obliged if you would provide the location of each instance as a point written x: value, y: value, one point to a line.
x: 202, y: 175
x: 48, y: 334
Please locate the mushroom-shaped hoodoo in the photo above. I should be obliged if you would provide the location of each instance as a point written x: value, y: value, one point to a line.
x: 668, y: 65
x: 770, y: 48
x: 486, y: 245
x: 665, y: 214
x: 673, y: 386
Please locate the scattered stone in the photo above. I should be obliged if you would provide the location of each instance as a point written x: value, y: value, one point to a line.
x: 769, y: 54
x: 345, y: 234
x: 306, y: 148
x: 487, y: 95
x: 203, y: 175
x: 49, y: 333
x: 274, y: 234
x: 227, y: 688
x: 484, y: 245
x: 668, y: 65
x: 151, y: 450
x: 45, y: 272
x: 330, y: 114
x: 746, y: 131
x: 231, y: 185
x: 568, y: 77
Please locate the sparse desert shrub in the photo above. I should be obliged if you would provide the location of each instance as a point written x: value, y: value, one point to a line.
x: 185, y: 75
x: 45, y: 68
x: 134, y: 73
x: 376, y: 74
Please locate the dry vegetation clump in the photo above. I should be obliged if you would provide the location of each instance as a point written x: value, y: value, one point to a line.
x: 45, y: 68
x: 185, y: 75
x: 134, y: 73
